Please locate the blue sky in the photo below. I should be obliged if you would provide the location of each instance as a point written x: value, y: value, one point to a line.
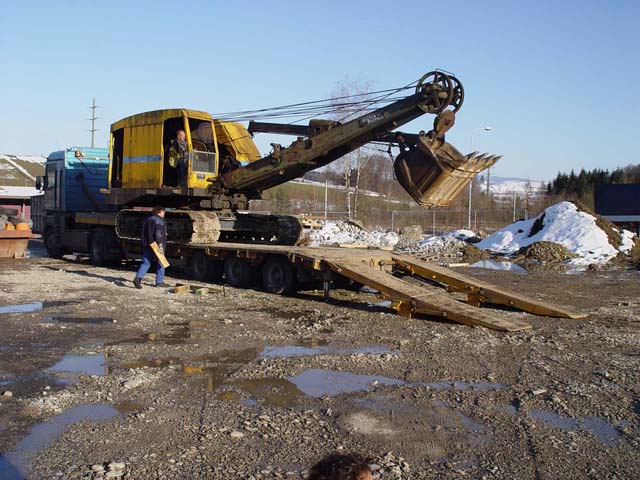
x: 557, y: 81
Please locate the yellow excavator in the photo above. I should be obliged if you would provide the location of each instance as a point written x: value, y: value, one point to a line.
x: 224, y: 170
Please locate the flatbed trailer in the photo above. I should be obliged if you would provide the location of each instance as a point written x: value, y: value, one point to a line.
x: 280, y: 269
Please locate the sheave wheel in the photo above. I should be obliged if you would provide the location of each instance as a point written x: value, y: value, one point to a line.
x: 278, y: 276
x: 238, y: 272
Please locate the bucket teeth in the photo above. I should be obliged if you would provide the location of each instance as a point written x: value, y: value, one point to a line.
x: 435, y: 174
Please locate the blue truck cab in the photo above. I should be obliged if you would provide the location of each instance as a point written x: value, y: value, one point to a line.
x: 76, y: 217
x: 73, y: 179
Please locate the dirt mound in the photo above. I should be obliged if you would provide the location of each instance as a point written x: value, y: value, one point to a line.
x: 472, y: 254
x: 546, y: 252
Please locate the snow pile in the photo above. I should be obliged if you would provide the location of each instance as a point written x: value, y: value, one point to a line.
x: 345, y: 232
x: 562, y: 223
x: 628, y: 241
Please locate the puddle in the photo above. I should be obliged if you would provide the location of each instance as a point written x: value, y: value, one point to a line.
x: 429, y: 429
x: 289, y: 351
x: 151, y: 363
x: 88, y: 364
x: 496, y: 265
x: 604, y: 431
x: 32, y: 307
x: 81, y: 320
x: 14, y: 465
x: 319, y: 382
x: 463, y: 385
x: 24, y: 308
x: 274, y: 392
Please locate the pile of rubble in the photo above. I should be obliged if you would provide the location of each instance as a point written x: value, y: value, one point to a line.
x: 346, y: 232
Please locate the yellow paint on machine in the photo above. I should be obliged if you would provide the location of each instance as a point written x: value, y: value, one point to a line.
x: 142, y: 157
x: 237, y: 140
x: 142, y: 163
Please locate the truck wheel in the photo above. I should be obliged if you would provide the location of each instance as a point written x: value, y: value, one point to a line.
x: 278, y: 276
x: 238, y: 272
x: 203, y: 269
x: 52, y: 245
x: 99, y: 248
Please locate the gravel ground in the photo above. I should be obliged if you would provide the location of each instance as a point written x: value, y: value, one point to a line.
x: 187, y: 386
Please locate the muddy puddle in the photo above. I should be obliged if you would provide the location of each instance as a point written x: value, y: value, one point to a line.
x: 14, y: 465
x: 178, y: 334
x: 606, y: 433
x: 306, y: 349
x: 78, y: 320
x: 32, y: 307
x: 95, y: 364
x: 427, y: 428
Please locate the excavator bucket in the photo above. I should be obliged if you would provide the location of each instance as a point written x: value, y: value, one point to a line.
x: 434, y: 172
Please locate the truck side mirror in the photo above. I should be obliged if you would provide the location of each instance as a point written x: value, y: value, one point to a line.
x: 39, y: 183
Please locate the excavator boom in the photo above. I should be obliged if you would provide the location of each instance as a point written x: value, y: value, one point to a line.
x: 431, y: 170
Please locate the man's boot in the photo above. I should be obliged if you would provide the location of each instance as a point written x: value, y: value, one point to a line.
x: 137, y: 282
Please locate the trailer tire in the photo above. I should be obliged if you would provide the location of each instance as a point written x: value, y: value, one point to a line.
x: 278, y: 276
x: 99, y: 248
x: 238, y: 272
x: 204, y: 269
x: 52, y: 245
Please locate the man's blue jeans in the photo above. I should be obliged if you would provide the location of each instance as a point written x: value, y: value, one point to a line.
x: 148, y: 257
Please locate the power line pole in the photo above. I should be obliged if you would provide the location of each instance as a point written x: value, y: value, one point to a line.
x: 93, y: 121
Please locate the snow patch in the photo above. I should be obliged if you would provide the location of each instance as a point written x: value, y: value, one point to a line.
x: 563, y: 223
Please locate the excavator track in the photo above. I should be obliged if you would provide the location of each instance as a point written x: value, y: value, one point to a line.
x: 261, y: 229
x: 183, y: 226
x: 207, y: 227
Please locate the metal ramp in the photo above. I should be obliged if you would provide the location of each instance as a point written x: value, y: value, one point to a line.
x: 479, y: 292
x: 409, y: 299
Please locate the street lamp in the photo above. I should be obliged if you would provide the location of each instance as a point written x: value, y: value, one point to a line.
x: 486, y: 129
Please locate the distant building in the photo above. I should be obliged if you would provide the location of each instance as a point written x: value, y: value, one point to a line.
x: 619, y: 203
x: 18, y: 181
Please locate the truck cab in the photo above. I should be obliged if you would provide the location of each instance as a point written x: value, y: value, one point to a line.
x: 76, y: 217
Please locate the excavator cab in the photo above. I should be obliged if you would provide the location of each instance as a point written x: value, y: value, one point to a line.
x: 143, y: 164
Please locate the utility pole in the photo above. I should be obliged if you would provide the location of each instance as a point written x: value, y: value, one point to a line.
x: 93, y: 121
x: 486, y: 129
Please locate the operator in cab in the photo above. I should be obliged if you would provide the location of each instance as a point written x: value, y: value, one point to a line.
x: 154, y: 229
x: 178, y: 156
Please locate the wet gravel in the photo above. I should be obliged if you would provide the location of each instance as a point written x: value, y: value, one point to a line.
x: 243, y: 384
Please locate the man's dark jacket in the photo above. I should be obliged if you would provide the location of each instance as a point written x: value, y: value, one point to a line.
x: 154, y: 230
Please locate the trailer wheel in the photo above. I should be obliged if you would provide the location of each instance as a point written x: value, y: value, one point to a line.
x: 238, y: 272
x: 99, y: 248
x: 278, y: 276
x: 203, y: 269
x: 51, y: 244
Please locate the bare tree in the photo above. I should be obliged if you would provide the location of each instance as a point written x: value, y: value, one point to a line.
x: 354, y: 163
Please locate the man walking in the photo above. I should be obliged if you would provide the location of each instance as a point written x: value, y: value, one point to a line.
x: 153, y: 230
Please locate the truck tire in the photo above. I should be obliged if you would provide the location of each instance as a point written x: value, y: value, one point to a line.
x: 52, y: 244
x: 238, y: 272
x: 278, y: 276
x: 202, y: 268
x: 99, y: 248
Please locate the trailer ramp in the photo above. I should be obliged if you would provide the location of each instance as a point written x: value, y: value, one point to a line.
x: 410, y: 299
x: 479, y: 292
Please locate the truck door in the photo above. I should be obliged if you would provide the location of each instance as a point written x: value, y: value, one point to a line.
x: 54, y: 188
